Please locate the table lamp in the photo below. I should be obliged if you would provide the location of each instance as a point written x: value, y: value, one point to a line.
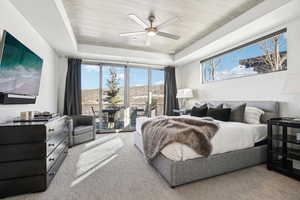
x: 183, y: 95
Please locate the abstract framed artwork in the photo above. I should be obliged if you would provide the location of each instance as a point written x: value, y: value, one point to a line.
x: 264, y: 55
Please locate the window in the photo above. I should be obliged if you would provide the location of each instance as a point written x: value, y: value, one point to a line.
x: 117, y: 95
x: 264, y: 55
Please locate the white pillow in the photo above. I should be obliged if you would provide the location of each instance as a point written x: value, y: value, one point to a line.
x: 252, y: 115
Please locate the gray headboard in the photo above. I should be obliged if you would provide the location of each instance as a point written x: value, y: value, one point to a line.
x: 271, y: 108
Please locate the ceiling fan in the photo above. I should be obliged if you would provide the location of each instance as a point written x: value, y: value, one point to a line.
x: 151, y: 31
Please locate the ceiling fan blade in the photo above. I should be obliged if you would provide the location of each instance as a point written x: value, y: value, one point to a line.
x: 166, y: 23
x: 133, y: 33
x: 138, y: 20
x: 148, y: 41
x: 168, y: 35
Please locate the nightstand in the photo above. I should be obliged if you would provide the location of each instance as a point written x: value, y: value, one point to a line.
x: 283, y: 148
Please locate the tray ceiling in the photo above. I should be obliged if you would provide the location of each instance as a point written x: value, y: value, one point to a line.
x: 99, y: 22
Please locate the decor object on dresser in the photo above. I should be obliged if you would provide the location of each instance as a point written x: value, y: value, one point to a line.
x: 31, y: 154
x: 82, y: 129
x: 283, y: 147
x: 183, y: 95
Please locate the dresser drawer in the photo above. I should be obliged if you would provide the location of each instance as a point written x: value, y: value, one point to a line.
x: 54, y: 141
x: 53, y: 170
x: 22, y: 168
x: 56, y: 127
x: 22, y: 134
x: 60, y: 149
x: 22, y: 185
x: 17, y: 152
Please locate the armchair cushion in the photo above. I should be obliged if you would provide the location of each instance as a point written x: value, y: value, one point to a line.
x: 78, y: 130
x: 82, y: 120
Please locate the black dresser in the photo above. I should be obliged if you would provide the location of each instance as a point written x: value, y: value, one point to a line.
x: 31, y: 154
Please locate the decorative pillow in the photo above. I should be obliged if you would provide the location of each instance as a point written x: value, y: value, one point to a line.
x: 209, y: 105
x: 237, y: 112
x: 199, y: 104
x: 222, y: 114
x: 199, y: 111
x: 253, y: 115
x: 212, y: 105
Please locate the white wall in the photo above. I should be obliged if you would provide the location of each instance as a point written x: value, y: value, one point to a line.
x: 61, y: 80
x: 261, y: 87
x: 12, y: 21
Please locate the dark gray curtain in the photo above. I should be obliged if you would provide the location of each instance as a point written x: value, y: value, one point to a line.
x: 73, y: 88
x: 170, y: 101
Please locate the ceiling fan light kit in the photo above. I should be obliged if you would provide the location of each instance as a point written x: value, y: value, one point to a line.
x: 151, y: 31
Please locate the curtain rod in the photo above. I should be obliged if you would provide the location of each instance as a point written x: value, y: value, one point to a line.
x: 113, y: 62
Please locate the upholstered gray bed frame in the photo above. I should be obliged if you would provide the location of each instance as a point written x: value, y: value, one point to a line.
x: 181, y: 172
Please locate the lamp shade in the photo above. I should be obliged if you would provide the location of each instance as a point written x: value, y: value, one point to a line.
x: 184, y: 93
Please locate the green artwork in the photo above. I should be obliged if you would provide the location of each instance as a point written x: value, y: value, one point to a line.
x: 20, y: 68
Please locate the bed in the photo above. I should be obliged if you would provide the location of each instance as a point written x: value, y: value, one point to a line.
x: 179, y: 164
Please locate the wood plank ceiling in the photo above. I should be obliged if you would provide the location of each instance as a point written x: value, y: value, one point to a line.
x: 99, y: 22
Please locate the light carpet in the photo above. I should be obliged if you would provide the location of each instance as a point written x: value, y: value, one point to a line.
x: 111, y: 168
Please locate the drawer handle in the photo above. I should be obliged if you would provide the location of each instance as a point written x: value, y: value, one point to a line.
x: 51, y: 129
x: 52, y: 174
x: 51, y: 159
x: 51, y: 145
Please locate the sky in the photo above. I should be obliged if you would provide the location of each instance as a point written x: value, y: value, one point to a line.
x: 230, y: 67
x: 138, y: 76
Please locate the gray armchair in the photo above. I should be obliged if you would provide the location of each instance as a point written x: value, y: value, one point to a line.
x: 82, y: 129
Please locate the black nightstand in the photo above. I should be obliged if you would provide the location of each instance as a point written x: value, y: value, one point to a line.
x: 283, y: 149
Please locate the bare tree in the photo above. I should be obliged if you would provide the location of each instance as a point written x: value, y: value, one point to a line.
x: 272, y: 56
x: 213, y: 64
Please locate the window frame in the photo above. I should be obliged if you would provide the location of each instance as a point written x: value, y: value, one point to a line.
x: 281, y: 31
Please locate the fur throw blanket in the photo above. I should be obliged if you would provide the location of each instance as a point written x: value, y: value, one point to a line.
x: 161, y: 131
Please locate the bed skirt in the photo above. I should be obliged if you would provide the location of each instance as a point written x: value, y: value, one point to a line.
x: 181, y: 172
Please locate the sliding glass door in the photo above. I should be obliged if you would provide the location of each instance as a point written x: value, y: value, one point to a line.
x: 112, y: 95
x: 157, y: 92
x: 118, y: 95
x: 138, y: 94
x: 90, y: 82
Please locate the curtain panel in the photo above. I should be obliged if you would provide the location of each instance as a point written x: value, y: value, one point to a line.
x: 72, y: 103
x: 170, y: 100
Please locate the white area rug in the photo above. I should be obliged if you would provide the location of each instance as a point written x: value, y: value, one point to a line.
x: 111, y: 168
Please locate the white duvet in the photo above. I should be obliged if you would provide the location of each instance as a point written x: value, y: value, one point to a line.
x: 230, y: 137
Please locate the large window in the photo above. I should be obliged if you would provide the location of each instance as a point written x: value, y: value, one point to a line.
x: 117, y: 95
x: 157, y: 92
x: 264, y: 55
x: 90, y: 84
